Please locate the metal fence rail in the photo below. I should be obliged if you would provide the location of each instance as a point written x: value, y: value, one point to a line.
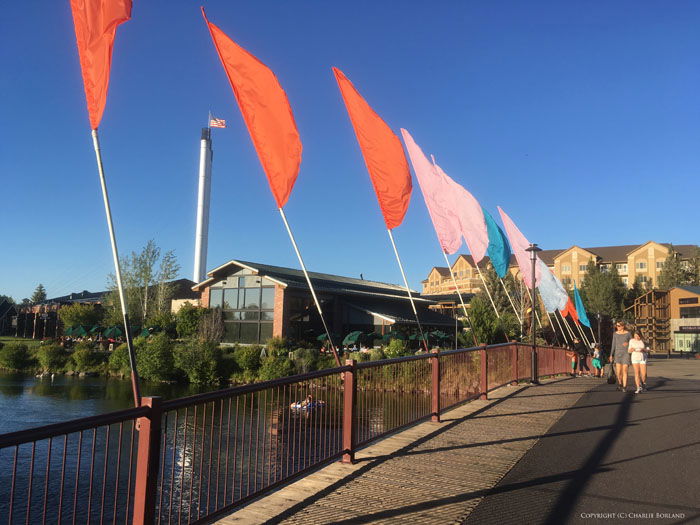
x: 187, y: 460
x: 80, y: 471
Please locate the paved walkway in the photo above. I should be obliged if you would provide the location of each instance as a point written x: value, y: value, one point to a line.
x: 430, y: 473
x: 613, y: 458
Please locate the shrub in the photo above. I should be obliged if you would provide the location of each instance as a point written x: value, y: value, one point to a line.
x: 14, y: 356
x: 187, y: 320
x: 199, y: 360
x: 165, y: 321
x: 376, y: 354
x: 275, y: 367
x: 154, y: 357
x: 395, y: 348
x: 119, y: 360
x: 305, y: 359
x: 227, y: 365
x: 82, y: 358
x: 244, y: 377
x: 360, y: 356
x: 277, y: 346
x: 248, y: 357
x: 51, y: 357
x: 326, y: 361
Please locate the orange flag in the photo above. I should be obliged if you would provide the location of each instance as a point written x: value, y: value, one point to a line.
x: 266, y: 112
x: 383, y: 154
x: 570, y: 309
x: 96, y: 23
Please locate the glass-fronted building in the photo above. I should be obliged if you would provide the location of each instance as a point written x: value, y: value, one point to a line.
x: 259, y: 301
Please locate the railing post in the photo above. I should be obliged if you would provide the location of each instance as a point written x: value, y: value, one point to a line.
x: 147, y: 459
x: 514, y: 363
x: 484, y: 383
x: 435, y: 406
x: 349, y: 401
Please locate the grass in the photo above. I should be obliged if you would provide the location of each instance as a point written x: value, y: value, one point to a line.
x: 31, y: 343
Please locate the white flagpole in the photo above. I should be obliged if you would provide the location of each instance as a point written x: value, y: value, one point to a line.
x: 410, y: 297
x: 561, y: 328
x: 308, y: 281
x: 568, y: 328
x: 486, y: 288
x: 551, y: 323
x: 135, y: 382
x: 464, y: 307
x: 510, y: 299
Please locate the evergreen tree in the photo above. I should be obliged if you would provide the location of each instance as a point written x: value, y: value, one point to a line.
x: 637, y: 290
x: 39, y: 294
x: 673, y: 273
x: 604, y: 292
x: 7, y: 298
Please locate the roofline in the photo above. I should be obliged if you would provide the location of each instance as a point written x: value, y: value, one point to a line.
x: 211, y: 273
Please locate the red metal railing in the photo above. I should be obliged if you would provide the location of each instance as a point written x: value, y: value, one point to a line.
x: 186, y: 460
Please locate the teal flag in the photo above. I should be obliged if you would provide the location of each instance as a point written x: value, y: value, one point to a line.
x: 580, y: 309
x: 499, y: 249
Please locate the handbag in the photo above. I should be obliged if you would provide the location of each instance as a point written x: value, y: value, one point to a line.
x: 610, y: 372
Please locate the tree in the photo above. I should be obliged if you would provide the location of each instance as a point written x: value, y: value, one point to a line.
x: 39, y: 294
x: 7, y: 298
x: 695, y: 267
x: 80, y: 314
x: 637, y: 290
x: 673, y: 273
x: 147, y: 290
x: 603, y: 292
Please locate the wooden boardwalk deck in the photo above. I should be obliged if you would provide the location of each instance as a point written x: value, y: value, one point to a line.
x: 429, y: 473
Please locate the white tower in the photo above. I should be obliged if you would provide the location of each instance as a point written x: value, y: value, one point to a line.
x: 201, y: 239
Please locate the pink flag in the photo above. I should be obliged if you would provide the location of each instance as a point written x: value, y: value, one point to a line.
x: 519, y: 244
x: 471, y: 218
x: 437, y: 196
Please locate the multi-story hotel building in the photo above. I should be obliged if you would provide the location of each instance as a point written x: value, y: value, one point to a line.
x: 632, y: 261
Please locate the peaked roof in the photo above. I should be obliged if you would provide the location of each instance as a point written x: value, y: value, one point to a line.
x: 295, y: 278
x: 691, y: 289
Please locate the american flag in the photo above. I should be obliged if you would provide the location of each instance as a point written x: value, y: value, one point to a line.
x: 217, y: 123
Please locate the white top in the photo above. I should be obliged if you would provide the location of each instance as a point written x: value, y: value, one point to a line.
x: 636, y: 345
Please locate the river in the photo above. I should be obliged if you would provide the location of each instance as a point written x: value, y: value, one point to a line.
x: 27, y: 401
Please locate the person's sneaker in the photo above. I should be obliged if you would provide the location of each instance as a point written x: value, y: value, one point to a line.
x: 639, y: 390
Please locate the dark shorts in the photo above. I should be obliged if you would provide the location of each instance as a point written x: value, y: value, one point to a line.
x: 621, y: 358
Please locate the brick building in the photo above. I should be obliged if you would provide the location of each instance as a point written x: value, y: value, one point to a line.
x: 260, y: 301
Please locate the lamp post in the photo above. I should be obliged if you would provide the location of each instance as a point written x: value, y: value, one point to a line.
x: 533, y: 249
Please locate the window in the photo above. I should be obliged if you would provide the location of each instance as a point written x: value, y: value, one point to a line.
x: 641, y: 265
x: 690, y: 312
x: 566, y: 281
x: 625, y: 280
x: 248, y: 303
x: 659, y: 264
x: 688, y: 300
x: 566, y: 268
x: 621, y: 267
x: 643, y: 279
x: 582, y: 267
x: 604, y: 267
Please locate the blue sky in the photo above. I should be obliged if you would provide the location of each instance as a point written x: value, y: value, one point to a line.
x: 580, y: 119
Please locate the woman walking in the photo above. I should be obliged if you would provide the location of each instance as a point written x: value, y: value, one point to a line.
x: 637, y: 349
x: 619, y: 354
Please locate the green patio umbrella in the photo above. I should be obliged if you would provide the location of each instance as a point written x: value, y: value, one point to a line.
x: 79, y: 331
x: 113, y: 331
x: 353, y: 337
x: 417, y: 337
x: 95, y: 329
x: 68, y: 331
x: 394, y: 335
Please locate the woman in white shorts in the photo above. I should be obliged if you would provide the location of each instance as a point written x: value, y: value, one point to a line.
x: 637, y: 350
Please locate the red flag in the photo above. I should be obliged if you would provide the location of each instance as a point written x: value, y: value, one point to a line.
x: 383, y: 154
x: 266, y: 112
x: 96, y: 23
x: 570, y: 309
